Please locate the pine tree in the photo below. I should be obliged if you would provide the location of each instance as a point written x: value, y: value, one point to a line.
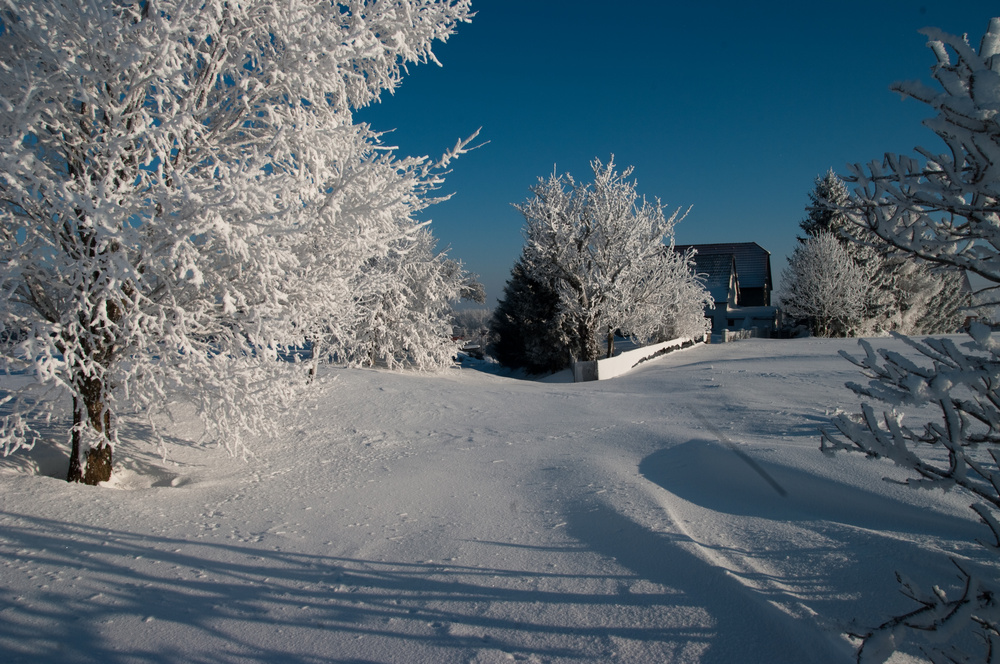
x: 826, y: 202
x: 528, y: 330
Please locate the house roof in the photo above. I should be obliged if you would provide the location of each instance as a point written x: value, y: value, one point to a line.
x: 753, y: 262
x: 718, y: 271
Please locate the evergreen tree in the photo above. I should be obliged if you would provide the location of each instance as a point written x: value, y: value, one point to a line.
x: 528, y: 330
x: 826, y: 202
x: 907, y: 294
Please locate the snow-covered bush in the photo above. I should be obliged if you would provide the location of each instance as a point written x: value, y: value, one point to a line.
x: 831, y: 287
x: 184, y: 194
x: 609, y: 258
x: 471, y: 323
x: 404, y: 307
x: 472, y: 329
x: 926, y: 298
x: 945, y: 209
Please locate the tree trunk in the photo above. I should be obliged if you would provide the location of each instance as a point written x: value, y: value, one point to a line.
x: 590, y: 348
x: 611, y: 341
x: 94, y: 465
x: 98, y: 465
x: 76, y: 461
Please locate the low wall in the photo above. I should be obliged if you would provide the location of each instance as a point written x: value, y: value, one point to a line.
x: 619, y: 364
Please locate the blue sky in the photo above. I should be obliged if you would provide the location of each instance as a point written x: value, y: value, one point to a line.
x: 732, y: 108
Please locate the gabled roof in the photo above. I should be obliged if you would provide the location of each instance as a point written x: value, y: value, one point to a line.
x: 753, y: 262
x: 719, y: 273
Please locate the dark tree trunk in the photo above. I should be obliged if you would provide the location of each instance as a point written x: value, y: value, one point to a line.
x: 98, y: 465
x: 76, y: 461
x: 589, y: 346
x: 95, y: 465
x: 611, y: 341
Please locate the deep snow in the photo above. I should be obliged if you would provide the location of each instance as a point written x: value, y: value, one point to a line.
x: 473, y: 517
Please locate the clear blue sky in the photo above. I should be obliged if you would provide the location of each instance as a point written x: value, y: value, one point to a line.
x: 730, y: 107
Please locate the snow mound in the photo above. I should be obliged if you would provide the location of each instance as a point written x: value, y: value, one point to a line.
x: 143, y: 476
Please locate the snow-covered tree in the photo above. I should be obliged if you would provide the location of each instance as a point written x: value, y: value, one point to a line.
x: 471, y: 323
x: 610, y: 258
x: 944, y: 209
x: 824, y: 213
x: 472, y: 328
x: 907, y: 294
x: 184, y: 193
x: 404, y: 304
x: 926, y: 298
x: 828, y: 286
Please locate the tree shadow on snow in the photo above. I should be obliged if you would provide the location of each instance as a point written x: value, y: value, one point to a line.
x: 76, y: 593
x: 713, y: 476
x: 832, y: 546
x: 738, y: 624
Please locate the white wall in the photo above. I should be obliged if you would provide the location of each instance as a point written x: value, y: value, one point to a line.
x: 619, y: 364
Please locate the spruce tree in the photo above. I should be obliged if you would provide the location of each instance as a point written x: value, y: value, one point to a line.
x: 528, y: 330
x: 908, y: 294
x: 827, y: 201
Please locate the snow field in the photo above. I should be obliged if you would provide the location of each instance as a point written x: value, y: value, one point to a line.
x: 474, y: 517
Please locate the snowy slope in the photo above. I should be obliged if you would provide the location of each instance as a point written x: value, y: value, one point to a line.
x: 471, y: 517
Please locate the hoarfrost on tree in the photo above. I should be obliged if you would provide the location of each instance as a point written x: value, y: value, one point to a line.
x: 906, y: 294
x: 184, y: 194
x: 609, y: 257
x: 945, y: 209
x: 404, y: 305
x: 831, y: 288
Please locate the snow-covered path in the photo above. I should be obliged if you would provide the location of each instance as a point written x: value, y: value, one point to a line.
x: 471, y: 517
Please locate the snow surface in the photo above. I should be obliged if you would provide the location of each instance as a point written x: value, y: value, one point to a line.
x: 476, y: 517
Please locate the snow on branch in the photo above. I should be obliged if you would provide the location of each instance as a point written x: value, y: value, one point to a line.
x: 945, y: 209
x: 187, y: 202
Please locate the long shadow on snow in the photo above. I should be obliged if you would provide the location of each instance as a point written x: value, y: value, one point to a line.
x: 712, y: 476
x: 76, y: 593
x: 744, y: 626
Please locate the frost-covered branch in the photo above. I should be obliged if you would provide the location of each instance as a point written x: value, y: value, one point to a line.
x: 942, y: 208
x: 957, y: 451
x: 608, y: 255
x: 185, y: 197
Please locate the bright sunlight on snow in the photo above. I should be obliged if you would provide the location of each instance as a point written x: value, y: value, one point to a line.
x: 682, y: 512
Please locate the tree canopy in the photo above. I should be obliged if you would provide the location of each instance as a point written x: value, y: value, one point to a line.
x: 608, y: 256
x: 184, y: 194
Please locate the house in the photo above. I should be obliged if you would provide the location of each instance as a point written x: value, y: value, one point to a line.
x: 738, y: 276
